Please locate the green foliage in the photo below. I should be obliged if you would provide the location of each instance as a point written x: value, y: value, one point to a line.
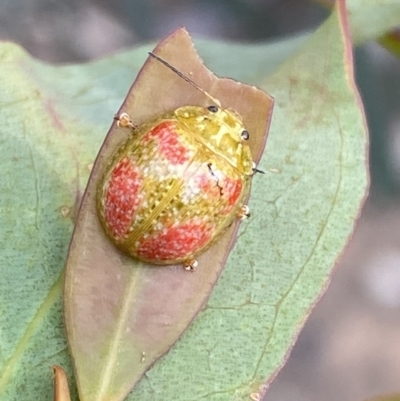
x: 53, y: 122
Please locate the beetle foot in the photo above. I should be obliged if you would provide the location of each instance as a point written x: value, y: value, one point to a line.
x: 244, y: 212
x: 124, y: 121
x: 190, y: 265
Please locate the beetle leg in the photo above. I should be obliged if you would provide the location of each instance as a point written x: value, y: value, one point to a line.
x: 190, y: 265
x: 124, y: 121
x: 244, y: 212
x: 256, y: 170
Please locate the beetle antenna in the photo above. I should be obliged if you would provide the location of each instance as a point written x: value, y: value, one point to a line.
x: 186, y: 78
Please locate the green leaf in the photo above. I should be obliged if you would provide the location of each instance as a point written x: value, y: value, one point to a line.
x: 53, y: 122
x: 369, y: 19
x: 304, y: 211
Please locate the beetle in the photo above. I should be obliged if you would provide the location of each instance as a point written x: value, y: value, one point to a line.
x: 177, y: 183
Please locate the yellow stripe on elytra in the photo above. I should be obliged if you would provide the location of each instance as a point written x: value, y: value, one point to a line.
x: 147, y: 223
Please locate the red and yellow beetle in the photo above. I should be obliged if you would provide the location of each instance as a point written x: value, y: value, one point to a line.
x: 177, y: 183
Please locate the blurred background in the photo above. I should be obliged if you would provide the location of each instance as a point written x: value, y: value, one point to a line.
x: 349, y: 348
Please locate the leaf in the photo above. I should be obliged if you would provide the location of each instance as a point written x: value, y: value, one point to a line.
x: 61, y: 389
x: 369, y: 19
x: 391, y: 41
x: 304, y: 212
x: 121, y: 314
x: 53, y: 122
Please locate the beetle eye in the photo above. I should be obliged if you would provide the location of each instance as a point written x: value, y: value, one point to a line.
x: 213, y: 109
x: 245, y: 135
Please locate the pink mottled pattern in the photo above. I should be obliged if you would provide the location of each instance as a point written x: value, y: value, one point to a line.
x: 176, y: 242
x: 207, y: 184
x: 169, y: 142
x: 122, y: 197
x: 232, y: 190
